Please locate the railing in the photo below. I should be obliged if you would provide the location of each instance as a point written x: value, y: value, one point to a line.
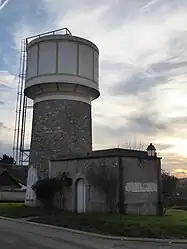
x: 53, y: 32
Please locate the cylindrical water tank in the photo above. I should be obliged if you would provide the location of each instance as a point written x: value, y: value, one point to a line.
x: 62, y: 79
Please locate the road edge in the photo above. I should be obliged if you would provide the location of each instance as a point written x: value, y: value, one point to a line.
x: 171, y: 241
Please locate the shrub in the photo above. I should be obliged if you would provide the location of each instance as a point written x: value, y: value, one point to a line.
x: 46, y: 188
x: 169, y: 183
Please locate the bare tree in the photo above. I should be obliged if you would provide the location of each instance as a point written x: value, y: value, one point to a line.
x: 133, y: 145
x: 104, y: 178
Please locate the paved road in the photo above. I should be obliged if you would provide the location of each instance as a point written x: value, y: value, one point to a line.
x: 15, y: 235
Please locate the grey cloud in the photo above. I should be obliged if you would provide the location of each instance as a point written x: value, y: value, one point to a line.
x: 179, y: 120
x: 65, y: 6
x: 110, y: 65
x: 121, y: 11
x: 5, y: 148
x: 142, y: 122
x: 136, y: 125
x: 137, y: 82
x: 124, y: 135
x: 161, y: 147
x: 177, y: 46
x: 149, y: 123
x: 146, y: 121
x: 165, y: 67
x: 173, y: 161
x: 154, y: 75
x: 140, y: 79
x: 3, y: 126
x: 5, y: 88
x: 107, y: 132
x: 177, y: 127
x: 146, y: 124
x: 118, y: 136
x: 176, y: 63
x: 1, y: 102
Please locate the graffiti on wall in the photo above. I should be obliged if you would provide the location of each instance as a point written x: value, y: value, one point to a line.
x: 141, y: 187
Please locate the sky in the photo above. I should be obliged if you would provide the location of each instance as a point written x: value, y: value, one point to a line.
x: 143, y: 69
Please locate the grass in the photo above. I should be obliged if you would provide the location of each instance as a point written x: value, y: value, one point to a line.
x: 172, y: 225
x: 19, y: 210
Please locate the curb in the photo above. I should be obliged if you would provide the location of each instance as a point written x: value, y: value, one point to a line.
x: 168, y: 241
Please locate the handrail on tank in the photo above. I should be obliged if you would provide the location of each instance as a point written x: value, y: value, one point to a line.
x: 53, y: 32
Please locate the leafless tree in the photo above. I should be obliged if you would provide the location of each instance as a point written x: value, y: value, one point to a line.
x: 133, y: 145
x: 104, y: 178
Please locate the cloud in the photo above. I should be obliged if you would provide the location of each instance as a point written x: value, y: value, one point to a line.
x: 5, y: 131
x: 180, y: 173
x: 8, y: 87
x: 142, y: 67
x: 135, y: 83
x: 146, y: 123
x: 136, y: 79
x: 5, y: 148
x: 7, y: 105
x: 3, y: 127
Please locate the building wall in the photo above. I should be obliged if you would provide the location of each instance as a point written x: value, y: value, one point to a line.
x: 12, y: 196
x: 138, y: 186
x: 60, y: 127
x: 95, y: 199
x: 141, y: 186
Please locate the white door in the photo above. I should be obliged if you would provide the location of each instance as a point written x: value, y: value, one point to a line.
x: 81, y: 203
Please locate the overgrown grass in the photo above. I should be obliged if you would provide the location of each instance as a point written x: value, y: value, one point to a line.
x: 172, y: 225
x: 19, y: 210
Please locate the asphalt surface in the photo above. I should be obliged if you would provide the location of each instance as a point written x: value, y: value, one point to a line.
x: 14, y: 235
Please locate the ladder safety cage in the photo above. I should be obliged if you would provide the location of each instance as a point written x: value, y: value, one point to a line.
x: 20, y: 107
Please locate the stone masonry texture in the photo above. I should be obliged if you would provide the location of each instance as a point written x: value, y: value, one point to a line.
x: 132, y: 171
x: 77, y: 168
x: 60, y: 127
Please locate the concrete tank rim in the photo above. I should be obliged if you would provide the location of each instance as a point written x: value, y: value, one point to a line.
x: 62, y: 37
x: 95, y: 92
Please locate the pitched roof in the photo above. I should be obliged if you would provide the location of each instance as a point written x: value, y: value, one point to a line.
x: 120, y: 151
x: 6, y: 180
x: 19, y: 174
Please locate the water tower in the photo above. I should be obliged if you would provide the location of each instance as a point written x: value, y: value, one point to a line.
x: 62, y: 80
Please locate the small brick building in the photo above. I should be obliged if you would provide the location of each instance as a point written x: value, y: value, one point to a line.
x: 138, y: 181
